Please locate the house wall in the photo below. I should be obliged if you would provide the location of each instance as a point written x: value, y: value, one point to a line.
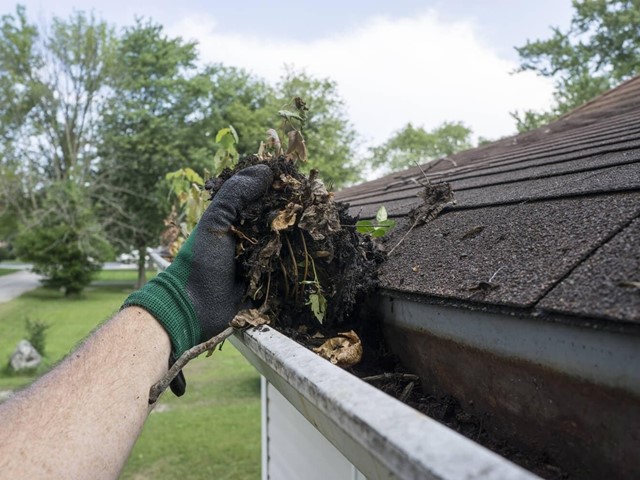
x: 292, y: 448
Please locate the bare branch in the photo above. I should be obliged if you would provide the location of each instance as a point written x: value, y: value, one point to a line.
x: 157, y: 389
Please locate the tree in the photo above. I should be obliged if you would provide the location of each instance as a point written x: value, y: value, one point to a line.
x: 63, y: 240
x: 414, y: 145
x: 600, y: 49
x: 234, y: 97
x: 154, y: 123
x: 329, y: 136
x: 51, y: 82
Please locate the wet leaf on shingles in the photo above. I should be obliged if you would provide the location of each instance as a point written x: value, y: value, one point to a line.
x: 249, y: 318
x: 286, y: 217
x: 345, y: 350
x: 475, y: 231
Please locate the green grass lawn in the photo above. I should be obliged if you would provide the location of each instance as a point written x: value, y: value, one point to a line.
x: 7, y: 271
x: 213, y: 431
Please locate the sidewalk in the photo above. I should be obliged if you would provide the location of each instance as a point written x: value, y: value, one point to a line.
x: 15, y: 284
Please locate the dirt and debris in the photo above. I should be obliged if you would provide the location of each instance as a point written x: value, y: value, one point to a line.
x: 307, y: 266
x: 435, y: 197
x: 310, y: 273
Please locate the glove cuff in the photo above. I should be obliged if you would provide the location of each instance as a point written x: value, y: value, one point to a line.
x: 164, y: 297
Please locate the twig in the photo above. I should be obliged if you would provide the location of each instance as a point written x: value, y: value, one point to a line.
x: 306, y: 256
x: 403, y: 237
x: 266, y: 295
x: 406, y: 392
x: 286, y: 278
x: 495, y: 273
x: 392, y: 376
x: 157, y: 389
x: 294, y: 265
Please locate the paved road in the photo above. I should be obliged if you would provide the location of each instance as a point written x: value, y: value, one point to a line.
x: 15, y: 284
x: 106, y: 266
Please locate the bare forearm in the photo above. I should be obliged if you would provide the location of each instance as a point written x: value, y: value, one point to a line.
x: 82, y: 418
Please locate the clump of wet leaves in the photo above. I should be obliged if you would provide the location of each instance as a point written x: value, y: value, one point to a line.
x: 305, y: 262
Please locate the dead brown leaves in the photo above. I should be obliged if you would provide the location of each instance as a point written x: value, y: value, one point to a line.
x: 345, y: 350
x: 249, y: 318
x: 286, y: 217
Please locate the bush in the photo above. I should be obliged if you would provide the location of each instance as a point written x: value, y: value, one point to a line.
x: 63, y: 241
x: 37, y: 335
x: 6, y: 252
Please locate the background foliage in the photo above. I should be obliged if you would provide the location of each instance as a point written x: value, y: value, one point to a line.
x: 111, y: 111
x: 599, y: 50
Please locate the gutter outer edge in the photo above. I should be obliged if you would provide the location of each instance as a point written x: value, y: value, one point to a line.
x: 381, y: 436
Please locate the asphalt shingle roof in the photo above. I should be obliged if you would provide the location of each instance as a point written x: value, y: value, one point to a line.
x: 550, y: 216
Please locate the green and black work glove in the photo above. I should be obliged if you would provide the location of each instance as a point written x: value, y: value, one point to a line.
x: 196, y: 297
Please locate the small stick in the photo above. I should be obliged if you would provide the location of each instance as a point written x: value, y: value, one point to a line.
x: 266, y: 295
x: 403, y: 237
x: 286, y: 278
x: 295, y: 266
x: 157, y: 389
x: 406, y: 392
x: 495, y: 273
x: 392, y: 376
x: 306, y: 256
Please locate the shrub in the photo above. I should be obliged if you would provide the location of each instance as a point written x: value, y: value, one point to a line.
x: 37, y: 334
x: 63, y: 240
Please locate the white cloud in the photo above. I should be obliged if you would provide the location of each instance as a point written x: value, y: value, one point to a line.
x: 389, y: 72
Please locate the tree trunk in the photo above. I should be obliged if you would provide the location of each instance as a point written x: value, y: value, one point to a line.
x: 142, y: 263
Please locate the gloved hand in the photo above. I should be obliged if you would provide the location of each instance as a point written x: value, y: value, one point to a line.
x: 196, y: 297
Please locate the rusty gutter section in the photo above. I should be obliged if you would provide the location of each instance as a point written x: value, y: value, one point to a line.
x: 563, y: 392
x: 381, y: 436
x: 602, y: 357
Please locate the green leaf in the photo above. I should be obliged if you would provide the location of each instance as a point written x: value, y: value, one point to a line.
x: 192, y: 176
x: 222, y: 133
x: 365, y: 227
x: 289, y: 115
x: 381, y: 216
x: 234, y: 133
x: 227, y: 142
x: 379, y: 232
x: 318, y: 305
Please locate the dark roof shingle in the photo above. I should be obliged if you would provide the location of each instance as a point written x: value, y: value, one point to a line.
x: 549, y: 211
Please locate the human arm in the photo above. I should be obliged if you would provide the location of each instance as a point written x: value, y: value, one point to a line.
x: 82, y: 418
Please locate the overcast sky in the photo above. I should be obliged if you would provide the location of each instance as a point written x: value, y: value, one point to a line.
x: 395, y: 61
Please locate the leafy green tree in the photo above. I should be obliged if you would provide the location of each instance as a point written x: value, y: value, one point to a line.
x: 234, y: 97
x: 329, y: 136
x: 414, y: 145
x: 600, y: 49
x: 51, y: 81
x: 153, y: 124
x: 63, y: 240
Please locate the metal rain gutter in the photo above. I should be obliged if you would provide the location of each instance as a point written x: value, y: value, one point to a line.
x: 563, y: 390
x: 381, y: 436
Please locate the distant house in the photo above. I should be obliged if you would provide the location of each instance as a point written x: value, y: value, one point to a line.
x: 522, y: 299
